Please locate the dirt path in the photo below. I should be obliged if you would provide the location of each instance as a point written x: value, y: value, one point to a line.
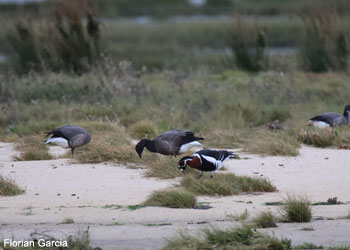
x: 99, y: 196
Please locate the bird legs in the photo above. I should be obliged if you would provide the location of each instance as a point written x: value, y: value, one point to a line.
x: 72, y: 149
x: 200, y: 175
x: 211, y: 175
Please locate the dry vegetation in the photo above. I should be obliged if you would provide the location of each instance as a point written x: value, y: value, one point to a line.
x: 32, y: 148
x: 273, y: 143
x: 172, y: 199
x: 225, y: 184
x: 9, y: 187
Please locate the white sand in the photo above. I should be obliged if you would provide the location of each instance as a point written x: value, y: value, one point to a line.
x: 57, y: 189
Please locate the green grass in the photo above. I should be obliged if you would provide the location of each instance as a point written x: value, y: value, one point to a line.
x: 32, y: 148
x: 265, y: 220
x: 225, y: 184
x: 163, y: 167
x: 308, y: 245
x: 172, y: 199
x: 297, y: 209
x: 143, y: 129
x: 8, y: 187
x: 235, y: 238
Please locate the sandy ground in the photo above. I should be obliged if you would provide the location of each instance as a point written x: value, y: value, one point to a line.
x: 58, y: 189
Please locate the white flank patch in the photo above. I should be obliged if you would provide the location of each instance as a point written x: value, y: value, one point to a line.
x: 217, y: 164
x: 319, y: 124
x: 184, y: 148
x: 59, y: 141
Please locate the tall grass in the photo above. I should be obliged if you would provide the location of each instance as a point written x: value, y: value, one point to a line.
x: 9, y: 187
x: 226, y: 184
x: 297, y: 209
x: 63, y: 41
x: 325, y: 45
x: 247, y: 57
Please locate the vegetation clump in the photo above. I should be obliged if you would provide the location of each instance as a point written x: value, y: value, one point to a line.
x: 236, y: 238
x: 325, y: 46
x: 8, y: 187
x: 273, y: 143
x: 226, y: 184
x: 265, y: 220
x: 143, y: 129
x: 172, y: 199
x: 318, y: 137
x: 65, y: 41
x: 32, y: 148
x: 297, y: 209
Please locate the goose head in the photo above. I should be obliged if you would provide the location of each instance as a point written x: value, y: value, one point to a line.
x: 139, y: 146
x: 183, y: 163
x: 347, y: 110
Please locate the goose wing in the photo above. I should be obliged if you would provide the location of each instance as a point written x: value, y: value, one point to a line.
x: 79, y: 140
x: 177, y: 137
x: 331, y: 118
x: 68, y: 131
x: 218, y: 155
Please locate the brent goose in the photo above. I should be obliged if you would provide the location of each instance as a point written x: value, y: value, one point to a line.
x: 331, y: 119
x: 172, y: 142
x: 69, y: 136
x: 206, y: 160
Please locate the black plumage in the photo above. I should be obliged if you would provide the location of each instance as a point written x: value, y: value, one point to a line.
x: 172, y: 142
x: 69, y: 136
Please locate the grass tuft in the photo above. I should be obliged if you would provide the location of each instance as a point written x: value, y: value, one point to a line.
x: 317, y: 137
x: 273, y: 143
x: 68, y: 221
x: 225, y: 184
x: 297, y: 209
x: 108, y: 146
x: 265, y: 220
x: 32, y: 148
x: 172, y: 199
x: 9, y: 187
x: 143, y: 129
x: 307, y: 245
x: 236, y: 238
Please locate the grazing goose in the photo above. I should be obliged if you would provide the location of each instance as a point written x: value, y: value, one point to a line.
x: 172, y: 142
x: 69, y: 136
x: 206, y: 160
x: 331, y: 119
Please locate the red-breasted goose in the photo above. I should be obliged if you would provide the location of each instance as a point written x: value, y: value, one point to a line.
x: 172, y: 142
x: 69, y: 136
x: 206, y: 160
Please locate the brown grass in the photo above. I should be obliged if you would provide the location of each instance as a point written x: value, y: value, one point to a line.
x: 32, y: 148
x: 9, y: 187
x: 266, y: 142
x: 107, y: 146
x: 317, y: 137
